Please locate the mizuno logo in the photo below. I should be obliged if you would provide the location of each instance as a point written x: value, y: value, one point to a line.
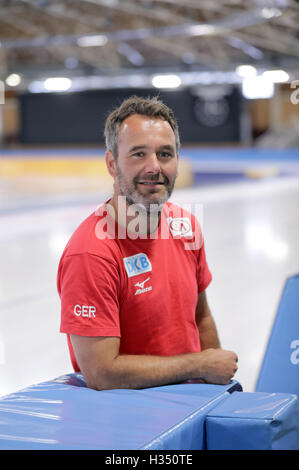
x: 142, y: 289
x: 141, y: 284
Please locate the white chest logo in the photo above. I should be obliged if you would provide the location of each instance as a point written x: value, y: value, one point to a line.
x: 180, y: 226
x: 141, y: 284
x: 142, y: 289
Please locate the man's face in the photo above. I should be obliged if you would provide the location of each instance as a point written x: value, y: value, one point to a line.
x: 146, y: 167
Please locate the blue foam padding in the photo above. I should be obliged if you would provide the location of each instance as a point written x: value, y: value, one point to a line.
x: 254, y: 421
x: 65, y: 414
x: 280, y: 367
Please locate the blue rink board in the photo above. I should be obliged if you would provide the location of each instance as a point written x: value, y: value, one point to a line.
x: 280, y: 367
x: 63, y: 414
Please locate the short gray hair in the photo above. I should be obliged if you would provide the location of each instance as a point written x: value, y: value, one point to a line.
x: 151, y: 107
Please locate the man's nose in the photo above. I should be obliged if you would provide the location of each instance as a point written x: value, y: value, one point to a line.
x: 152, y: 164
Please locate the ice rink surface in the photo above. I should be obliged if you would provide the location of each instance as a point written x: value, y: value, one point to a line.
x: 251, y: 230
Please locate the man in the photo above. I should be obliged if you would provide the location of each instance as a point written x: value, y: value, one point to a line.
x: 132, y: 290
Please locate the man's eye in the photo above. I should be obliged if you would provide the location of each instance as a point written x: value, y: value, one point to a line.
x: 165, y: 155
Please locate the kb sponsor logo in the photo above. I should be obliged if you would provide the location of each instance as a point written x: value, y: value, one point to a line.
x: 137, y: 264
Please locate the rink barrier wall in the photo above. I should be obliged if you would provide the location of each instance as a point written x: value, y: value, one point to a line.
x: 280, y: 366
x: 83, y: 166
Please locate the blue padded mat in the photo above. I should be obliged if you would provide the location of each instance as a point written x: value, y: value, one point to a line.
x: 58, y: 415
x: 254, y: 421
x: 63, y: 414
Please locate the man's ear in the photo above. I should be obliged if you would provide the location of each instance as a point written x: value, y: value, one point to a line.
x: 110, y: 163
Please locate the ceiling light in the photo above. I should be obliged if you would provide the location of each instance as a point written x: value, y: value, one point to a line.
x: 257, y: 88
x: 276, y: 76
x: 270, y: 12
x: 246, y: 71
x: 57, y: 84
x: 93, y: 40
x: 202, y: 29
x: 13, y: 80
x: 166, y: 81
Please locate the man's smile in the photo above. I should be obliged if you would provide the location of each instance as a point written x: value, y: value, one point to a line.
x: 150, y: 183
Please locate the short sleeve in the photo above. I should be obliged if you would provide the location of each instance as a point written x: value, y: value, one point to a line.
x: 204, y: 276
x: 89, y: 287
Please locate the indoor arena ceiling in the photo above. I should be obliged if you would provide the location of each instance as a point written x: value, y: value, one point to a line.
x: 110, y: 38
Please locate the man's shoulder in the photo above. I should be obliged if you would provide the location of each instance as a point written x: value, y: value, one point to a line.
x: 91, y: 236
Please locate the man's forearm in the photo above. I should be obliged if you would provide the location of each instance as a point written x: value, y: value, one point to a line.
x: 129, y: 371
x: 134, y: 371
x: 104, y: 368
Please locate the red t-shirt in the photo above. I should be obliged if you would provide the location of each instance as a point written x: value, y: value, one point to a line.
x: 142, y: 290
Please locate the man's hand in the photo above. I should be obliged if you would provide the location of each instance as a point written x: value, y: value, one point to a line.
x: 217, y: 366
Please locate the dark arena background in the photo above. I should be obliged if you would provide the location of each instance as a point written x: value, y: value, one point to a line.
x: 229, y: 69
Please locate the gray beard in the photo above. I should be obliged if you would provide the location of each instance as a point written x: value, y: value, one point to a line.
x: 134, y: 197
